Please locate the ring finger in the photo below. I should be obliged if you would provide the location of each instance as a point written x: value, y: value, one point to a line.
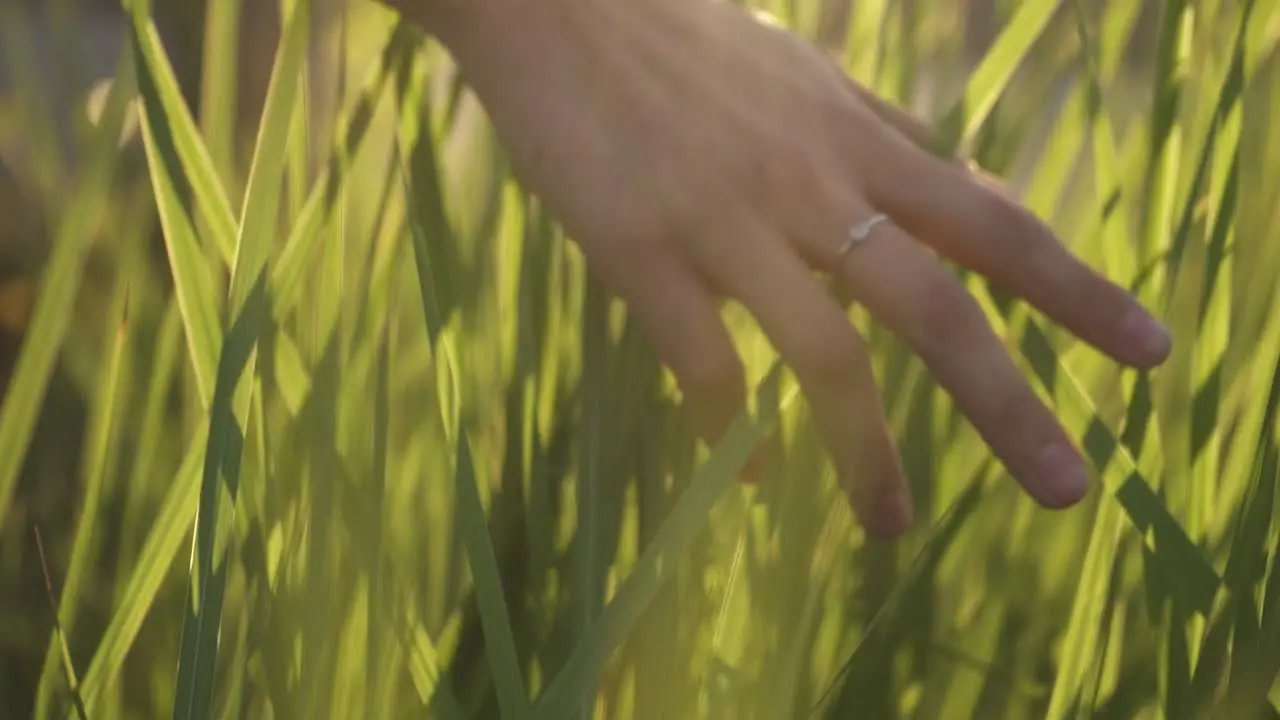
x: 904, y: 287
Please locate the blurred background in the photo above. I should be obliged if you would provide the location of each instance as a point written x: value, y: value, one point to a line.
x: 367, y: 441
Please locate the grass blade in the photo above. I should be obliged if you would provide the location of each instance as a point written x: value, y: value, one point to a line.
x: 567, y: 692
x: 962, y: 123
x: 163, y: 544
x: 248, y: 307
x: 188, y: 158
x: 88, y: 538
x: 193, y: 285
x: 54, y: 305
x: 865, y: 667
x: 512, y: 697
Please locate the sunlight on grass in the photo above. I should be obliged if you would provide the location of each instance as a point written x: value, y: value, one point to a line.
x: 353, y: 434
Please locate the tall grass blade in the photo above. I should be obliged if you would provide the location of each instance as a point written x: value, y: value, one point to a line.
x: 961, y: 124
x: 569, y: 690
x: 174, y: 518
x: 60, y: 638
x: 865, y: 671
x: 87, y: 543
x: 512, y: 697
x: 188, y: 159
x: 248, y: 308
x: 193, y: 284
x: 62, y: 277
x: 218, y: 97
x: 1255, y: 659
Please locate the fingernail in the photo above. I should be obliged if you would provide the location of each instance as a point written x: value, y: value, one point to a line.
x: 1149, y: 334
x: 1063, y: 475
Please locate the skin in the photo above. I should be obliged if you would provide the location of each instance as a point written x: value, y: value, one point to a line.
x: 696, y: 154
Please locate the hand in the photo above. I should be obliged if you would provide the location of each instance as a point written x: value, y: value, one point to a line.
x: 695, y: 153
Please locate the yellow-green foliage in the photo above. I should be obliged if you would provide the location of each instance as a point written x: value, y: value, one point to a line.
x: 341, y: 428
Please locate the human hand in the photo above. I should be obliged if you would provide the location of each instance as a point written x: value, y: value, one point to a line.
x: 695, y: 154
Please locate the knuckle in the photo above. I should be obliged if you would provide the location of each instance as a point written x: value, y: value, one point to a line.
x: 801, y: 168
x: 627, y: 256
x: 1014, y: 407
x: 821, y: 181
x: 1016, y: 413
x: 698, y: 210
x: 834, y: 202
x: 861, y: 135
x: 788, y: 167
x: 946, y: 315
x: 714, y: 386
x: 713, y: 373
x: 756, y: 176
x: 1019, y: 237
x: 830, y: 357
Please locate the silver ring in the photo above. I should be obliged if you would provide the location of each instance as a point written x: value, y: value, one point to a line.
x: 860, y: 233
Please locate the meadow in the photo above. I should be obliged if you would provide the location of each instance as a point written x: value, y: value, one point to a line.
x: 330, y: 421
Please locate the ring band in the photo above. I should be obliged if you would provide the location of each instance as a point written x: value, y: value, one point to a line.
x: 860, y: 233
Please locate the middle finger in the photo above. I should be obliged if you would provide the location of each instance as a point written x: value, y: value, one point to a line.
x: 903, y: 286
x: 811, y: 331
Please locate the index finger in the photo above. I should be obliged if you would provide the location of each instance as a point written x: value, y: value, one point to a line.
x: 974, y: 222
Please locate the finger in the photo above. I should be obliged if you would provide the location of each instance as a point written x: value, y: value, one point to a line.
x: 900, y: 120
x: 976, y: 224
x: 902, y: 285
x: 681, y: 318
x: 830, y: 360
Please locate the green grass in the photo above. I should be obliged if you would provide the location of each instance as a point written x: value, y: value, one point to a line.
x: 360, y: 438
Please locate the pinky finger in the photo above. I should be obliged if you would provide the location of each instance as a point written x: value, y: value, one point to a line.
x: 900, y: 120
x: 681, y: 317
